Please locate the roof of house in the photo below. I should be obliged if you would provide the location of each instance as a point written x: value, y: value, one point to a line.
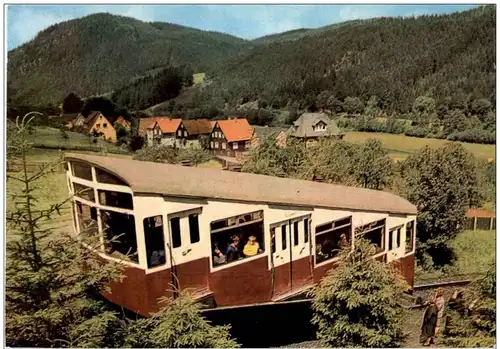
x: 64, y: 117
x: 480, y: 213
x: 91, y: 116
x: 179, y: 181
x: 168, y: 125
x: 303, y: 126
x: 236, y: 129
x: 144, y: 124
x: 198, y: 126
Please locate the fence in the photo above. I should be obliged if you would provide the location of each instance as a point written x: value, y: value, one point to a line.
x: 479, y: 219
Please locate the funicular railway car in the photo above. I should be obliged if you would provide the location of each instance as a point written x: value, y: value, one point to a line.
x: 230, y: 238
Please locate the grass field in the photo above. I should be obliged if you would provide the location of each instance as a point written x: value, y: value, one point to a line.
x: 400, y: 146
x: 475, y: 251
x: 48, y: 136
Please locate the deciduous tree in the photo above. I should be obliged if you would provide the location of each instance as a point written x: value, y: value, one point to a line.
x: 442, y: 183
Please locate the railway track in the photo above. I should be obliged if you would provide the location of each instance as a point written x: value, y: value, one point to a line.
x: 422, y: 290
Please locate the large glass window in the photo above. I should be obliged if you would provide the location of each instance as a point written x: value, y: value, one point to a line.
x: 330, y: 238
x: 237, y: 237
x: 119, y: 231
x: 410, y: 235
x: 82, y: 170
x: 87, y: 220
x: 84, y: 192
x: 108, y: 178
x: 155, y: 242
x: 116, y: 199
x: 375, y: 233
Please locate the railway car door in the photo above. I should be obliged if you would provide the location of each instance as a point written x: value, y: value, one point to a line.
x: 281, y: 257
x: 189, y: 267
x: 291, y: 250
x: 301, y: 266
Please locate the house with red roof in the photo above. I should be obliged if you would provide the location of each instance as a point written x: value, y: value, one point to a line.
x: 164, y: 132
x: 231, y: 137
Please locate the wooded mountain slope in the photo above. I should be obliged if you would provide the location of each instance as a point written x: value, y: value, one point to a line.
x: 448, y: 57
x: 97, y: 53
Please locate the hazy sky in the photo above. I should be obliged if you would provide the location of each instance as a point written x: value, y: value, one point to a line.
x: 245, y: 21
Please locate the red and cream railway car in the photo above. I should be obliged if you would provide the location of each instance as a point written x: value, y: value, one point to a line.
x: 231, y: 238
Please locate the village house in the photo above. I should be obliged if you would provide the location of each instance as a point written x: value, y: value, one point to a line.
x: 163, y: 132
x: 231, y: 137
x: 96, y: 123
x: 122, y: 122
x: 192, y: 133
x: 310, y: 127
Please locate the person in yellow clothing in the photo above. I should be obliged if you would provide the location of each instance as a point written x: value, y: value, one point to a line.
x: 252, y: 247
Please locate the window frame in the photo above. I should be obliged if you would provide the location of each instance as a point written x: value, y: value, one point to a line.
x: 183, y: 214
x: 165, y: 247
x: 411, y: 224
x: 235, y: 145
x: 263, y: 246
x: 332, y: 229
x: 383, y: 249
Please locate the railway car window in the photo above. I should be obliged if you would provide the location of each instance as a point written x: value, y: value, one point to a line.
x: 87, y: 220
x: 155, y: 242
x: 306, y: 230
x: 175, y: 226
x: 238, y: 237
x: 84, y: 192
x: 295, y: 233
x: 395, y: 232
x: 81, y: 170
x: 273, y: 240
x: 119, y: 230
x: 194, y: 229
x: 283, y: 237
x: 391, y: 236
x: 108, y: 178
x: 410, y: 234
x: 115, y: 199
x: 375, y: 233
x: 330, y: 238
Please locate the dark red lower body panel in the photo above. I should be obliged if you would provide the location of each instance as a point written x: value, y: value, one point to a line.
x: 247, y: 283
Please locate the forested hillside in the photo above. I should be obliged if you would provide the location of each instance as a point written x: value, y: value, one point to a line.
x: 100, y: 52
x: 450, y: 58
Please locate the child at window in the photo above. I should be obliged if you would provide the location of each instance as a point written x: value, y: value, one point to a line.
x: 252, y: 247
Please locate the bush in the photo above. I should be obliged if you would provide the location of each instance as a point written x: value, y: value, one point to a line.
x: 420, y: 132
x: 357, y: 303
x: 156, y: 153
x: 474, y: 136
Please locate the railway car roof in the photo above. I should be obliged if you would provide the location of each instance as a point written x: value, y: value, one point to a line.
x: 194, y: 182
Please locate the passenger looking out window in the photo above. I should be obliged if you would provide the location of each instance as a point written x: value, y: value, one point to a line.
x: 237, y: 237
x: 331, y: 238
x: 252, y: 247
x: 219, y: 257
x: 232, y: 251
